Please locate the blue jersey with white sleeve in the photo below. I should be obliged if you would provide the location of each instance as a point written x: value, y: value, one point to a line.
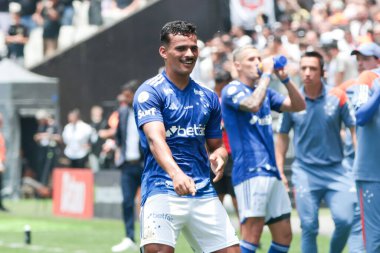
x: 367, y: 159
x: 250, y: 134
x: 190, y: 116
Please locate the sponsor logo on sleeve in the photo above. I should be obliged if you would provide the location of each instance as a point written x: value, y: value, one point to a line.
x: 231, y: 90
x: 149, y: 112
x: 237, y: 96
x: 143, y: 97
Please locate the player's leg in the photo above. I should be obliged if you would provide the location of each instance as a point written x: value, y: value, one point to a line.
x: 251, y: 230
x: 355, y: 240
x: 252, y: 196
x: 209, y: 229
x: 369, y: 199
x: 155, y: 248
x: 307, y: 204
x: 162, y: 218
x: 341, y: 204
x: 279, y: 208
x: 231, y: 192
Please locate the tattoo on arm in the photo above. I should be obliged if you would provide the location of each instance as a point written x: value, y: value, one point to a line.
x: 254, y: 102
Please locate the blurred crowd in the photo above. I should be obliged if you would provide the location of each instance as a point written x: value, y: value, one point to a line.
x: 333, y: 28
x: 31, y: 30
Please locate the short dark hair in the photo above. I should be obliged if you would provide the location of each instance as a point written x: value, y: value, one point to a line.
x: 317, y: 55
x: 177, y: 27
x: 131, y: 85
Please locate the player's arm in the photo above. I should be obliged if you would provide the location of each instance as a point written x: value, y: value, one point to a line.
x: 218, y: 157
x: 353, y: 136
x: 254, y: 102
x: 282, y: 144
x: 366, y: 111
x: 155, y: 134
x: 295, y: 102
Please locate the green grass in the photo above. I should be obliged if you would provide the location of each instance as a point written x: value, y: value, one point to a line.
x: 52, y: 234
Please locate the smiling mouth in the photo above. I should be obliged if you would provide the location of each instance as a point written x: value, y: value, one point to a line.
x: 188, y: 61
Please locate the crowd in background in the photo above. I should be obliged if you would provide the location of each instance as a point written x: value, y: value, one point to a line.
x: 31, y: 30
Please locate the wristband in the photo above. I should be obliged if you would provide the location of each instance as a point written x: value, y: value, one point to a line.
x: 263, y: 75
x: 285, y: 81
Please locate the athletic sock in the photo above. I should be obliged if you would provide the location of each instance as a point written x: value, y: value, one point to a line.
x: 278, y: 248
x: 247, y: 247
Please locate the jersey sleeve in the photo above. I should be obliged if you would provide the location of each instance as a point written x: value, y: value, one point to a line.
x: 285, y: 123
x: 232, y: 95
x: 360, y: 95
x: 348, y: 114
x: 214, y: 127
x: 147, y: 105
x: 367, y: 110
x: 276, y: 100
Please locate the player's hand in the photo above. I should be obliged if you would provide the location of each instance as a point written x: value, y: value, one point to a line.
x: 183, y: 184
x: 285, y: 181
x: 217, y: 166
x: 267, y: 65
x: 281, y: 74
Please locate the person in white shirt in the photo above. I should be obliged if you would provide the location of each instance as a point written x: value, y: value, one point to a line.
x: 76, y: 136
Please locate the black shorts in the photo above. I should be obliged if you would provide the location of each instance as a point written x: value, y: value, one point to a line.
x: 224, y: 185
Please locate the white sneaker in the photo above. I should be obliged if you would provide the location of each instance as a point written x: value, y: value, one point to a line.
x: 125, y: 244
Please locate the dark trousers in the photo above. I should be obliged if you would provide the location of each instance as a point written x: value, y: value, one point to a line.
x: 130, y: 182
x: 79, y: 163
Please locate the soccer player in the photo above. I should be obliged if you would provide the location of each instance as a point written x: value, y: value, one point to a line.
x: 246, y: 108
x: 366, y: 100
x: 317, y: 169
x: 177, y: 120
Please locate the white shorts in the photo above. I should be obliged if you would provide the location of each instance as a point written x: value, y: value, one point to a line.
x: 263, y: 197
x: 204, y: 222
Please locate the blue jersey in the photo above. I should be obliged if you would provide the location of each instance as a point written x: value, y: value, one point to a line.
x: 317, y: 139
x: 367, y: 159
x: 250, y: 134
x: 190, y: 116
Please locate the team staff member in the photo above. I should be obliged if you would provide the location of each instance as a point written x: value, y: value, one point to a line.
x: 367, y: 59
x: 177, y: 119
x: 246, y: 107
x: 317, y: 169
x: 366, y: 100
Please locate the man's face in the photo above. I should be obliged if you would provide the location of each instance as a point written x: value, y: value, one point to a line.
x: 247, y: 62
x: 180, y: 54
x: 310, y: 71
x: 366, y: 62
x: 73, y: 117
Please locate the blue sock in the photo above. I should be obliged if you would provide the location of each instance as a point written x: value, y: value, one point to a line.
x: 278, y: 248
x: 247, y: 247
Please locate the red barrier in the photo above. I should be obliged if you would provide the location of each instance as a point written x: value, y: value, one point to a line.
x: 73, y: 192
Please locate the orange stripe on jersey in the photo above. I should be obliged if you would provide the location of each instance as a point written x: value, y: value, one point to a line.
x: 338, y: 92
x: 367, y: 77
